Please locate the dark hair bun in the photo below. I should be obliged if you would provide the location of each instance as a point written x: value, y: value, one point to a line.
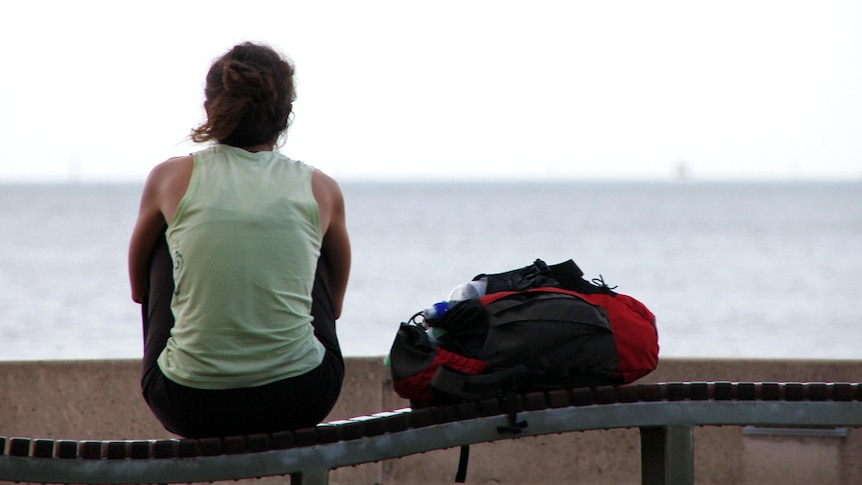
x: 249, y: 97
x: 245, y: 79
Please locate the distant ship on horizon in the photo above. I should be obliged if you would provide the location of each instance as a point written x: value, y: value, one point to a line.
x: 681, y: 171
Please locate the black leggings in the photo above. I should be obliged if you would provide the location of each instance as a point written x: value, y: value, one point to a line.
x: 293, y: 403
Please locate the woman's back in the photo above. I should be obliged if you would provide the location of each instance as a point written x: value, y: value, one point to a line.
x: 244, y: 243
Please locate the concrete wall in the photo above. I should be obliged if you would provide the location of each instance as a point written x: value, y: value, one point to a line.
x: 101, y: 400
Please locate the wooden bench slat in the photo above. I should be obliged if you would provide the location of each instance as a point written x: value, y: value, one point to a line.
x: 19, y: 447
x: 90, y: 450
x: 188, y: 448
x: 256, y: 443
x: 166, y: 449
x: 118, y: 450
x: 210, y: 446
x: 281, y: 440
x: 66, y: 449
x: 304, y: 437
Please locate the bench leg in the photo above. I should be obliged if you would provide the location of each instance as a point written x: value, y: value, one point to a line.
x: 310, y: 477
x: 667, y: 455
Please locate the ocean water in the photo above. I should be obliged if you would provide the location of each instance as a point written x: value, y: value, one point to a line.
x: 732, y: 270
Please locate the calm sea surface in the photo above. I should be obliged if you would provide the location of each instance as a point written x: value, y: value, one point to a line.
x: 729, y: 269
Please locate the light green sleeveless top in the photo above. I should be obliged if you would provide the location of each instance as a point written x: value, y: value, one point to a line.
x: 244, y: 242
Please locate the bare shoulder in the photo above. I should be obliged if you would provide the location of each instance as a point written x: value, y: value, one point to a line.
x: 319, y: 178
x: 330, y: 201
x: 172, y: 174
x: 168, y: 182
x: 326, y: 189
x: 173, y: 167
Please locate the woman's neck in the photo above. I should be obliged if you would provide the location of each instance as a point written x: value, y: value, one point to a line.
x: 263, y: 147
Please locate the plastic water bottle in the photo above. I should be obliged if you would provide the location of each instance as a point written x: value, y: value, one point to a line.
x: 468, y: 290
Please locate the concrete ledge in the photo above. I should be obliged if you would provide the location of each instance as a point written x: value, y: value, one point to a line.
x: 101, y: 400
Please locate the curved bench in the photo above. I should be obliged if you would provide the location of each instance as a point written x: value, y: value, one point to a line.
x: 665, y: 414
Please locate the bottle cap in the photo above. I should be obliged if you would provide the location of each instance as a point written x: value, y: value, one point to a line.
x: 436, y: 311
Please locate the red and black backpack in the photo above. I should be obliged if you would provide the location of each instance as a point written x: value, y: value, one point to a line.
x: 537, y: 327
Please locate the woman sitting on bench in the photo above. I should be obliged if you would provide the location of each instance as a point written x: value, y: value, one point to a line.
x: 240, y: 258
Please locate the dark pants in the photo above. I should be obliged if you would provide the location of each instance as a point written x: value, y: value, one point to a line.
x: 292, y: 403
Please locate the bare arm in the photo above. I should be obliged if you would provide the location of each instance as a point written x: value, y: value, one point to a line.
x: 163, y: 190
x: 148, y: 227
x: 336, y: 243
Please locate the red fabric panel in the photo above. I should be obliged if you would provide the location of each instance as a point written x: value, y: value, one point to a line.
x: 417, y: 387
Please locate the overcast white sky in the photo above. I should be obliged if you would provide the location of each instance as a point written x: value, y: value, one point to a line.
x: 448, y: 89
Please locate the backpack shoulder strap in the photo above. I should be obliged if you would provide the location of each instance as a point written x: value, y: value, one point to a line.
x: 539, y: 274
x: 568, y: 274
